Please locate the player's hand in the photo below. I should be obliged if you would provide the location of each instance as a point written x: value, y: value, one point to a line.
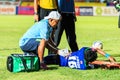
x: 63, y: 52
x: 36, y: 17
x: 75, y: 18
x: 112, y: 59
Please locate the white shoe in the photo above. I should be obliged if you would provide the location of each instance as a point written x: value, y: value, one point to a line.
x: 63, y: 52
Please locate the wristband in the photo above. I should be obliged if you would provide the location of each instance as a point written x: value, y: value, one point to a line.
x: 107, y: 55
x: 35, y: 13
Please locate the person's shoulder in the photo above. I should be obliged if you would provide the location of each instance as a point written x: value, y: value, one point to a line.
x: 43, y: 21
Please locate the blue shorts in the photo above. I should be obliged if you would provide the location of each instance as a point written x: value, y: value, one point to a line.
x: 31, y: 46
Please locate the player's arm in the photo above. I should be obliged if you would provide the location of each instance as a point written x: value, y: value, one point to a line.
x: 100, y: 51
x: 36, y: 10
x: 99, y: 62
x: 50, y: 45
x: 51, y: 38
x: 41, y: 49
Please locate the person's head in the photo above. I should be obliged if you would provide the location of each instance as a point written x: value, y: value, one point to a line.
x: 54, y: 17
x: 90, y: 55
x: 97, y: 44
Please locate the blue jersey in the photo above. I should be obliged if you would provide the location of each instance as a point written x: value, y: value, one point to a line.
x: 66, y: 6
x: 40, y: 30
x: 75, y: 60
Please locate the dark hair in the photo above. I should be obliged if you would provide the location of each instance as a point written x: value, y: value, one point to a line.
x: 90, y: 55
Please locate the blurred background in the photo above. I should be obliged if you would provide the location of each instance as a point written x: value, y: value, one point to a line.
x: 82, y: 7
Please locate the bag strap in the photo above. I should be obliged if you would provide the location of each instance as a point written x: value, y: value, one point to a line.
x: 32, y: 62
x: 32, y: 59
x: 24, y: 63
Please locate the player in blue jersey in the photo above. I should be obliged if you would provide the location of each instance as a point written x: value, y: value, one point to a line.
x: 35, y: 39
x: 80, y: 59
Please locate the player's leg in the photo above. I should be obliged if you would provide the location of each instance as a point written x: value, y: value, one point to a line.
x: 70, y: 33
x: 31, y: 46
x: 58, y: 33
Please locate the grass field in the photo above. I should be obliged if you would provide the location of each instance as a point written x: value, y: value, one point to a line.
x: 88, y: 30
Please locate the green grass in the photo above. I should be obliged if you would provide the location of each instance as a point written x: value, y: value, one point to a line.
x: 88, y: 30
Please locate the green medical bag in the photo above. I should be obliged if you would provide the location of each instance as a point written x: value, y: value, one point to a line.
x: 22, y: 62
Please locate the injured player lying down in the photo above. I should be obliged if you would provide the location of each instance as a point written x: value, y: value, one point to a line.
x: 80, y: 59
